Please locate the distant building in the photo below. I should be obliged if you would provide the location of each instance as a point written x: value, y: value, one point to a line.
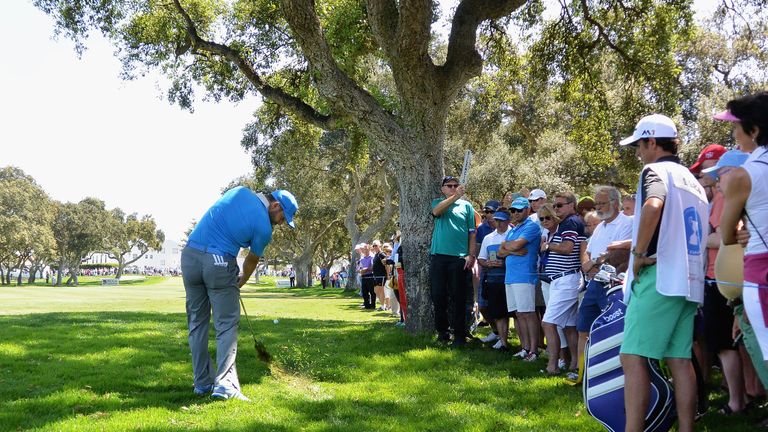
x: 168, y: 258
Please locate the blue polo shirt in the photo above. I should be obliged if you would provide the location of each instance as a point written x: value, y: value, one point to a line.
x: 523, y: 269
x: 237, y: 220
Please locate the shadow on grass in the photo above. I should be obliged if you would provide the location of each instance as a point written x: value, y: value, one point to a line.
x: 330, y: 376
x: 314, y: 292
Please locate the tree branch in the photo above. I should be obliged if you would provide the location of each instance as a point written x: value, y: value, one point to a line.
x: 601, y: 31
x: 383, y: 17
x: 342, y: 92
x: 463, y: 61
x: 297, y: 106
x: 413, y: 33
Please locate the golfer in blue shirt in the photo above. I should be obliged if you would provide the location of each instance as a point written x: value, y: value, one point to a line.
x: 241, y: 218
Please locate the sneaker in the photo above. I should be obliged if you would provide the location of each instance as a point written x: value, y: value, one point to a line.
x: 498, y: 344
x: 400, y: 324
x: 572, y: 376
x: 203, y: 390
x: 225, y: 393
x: 492, y: 337
x: 531, y: 357
x: 561, y: 364
x: 521, y: 354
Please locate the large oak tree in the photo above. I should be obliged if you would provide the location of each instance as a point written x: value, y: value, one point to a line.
x: 306, y: 57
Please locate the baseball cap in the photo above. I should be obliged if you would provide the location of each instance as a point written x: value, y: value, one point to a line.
x: 288, y: 203
x: 711, y: 152
x: 519, y: 203
x: 537, y: 194
x: 731, y: 158
x: 652, y: 126
x: 446, y: 179
x: 501, y: 215
x: 726, y: 116
x: 492, y: 205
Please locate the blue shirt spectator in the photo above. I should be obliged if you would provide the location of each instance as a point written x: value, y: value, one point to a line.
x: 522, y: 269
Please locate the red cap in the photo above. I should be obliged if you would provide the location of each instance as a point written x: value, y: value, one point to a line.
x: 711, y: 152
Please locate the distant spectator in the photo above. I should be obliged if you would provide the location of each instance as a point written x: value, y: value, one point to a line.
x: 628, y: 205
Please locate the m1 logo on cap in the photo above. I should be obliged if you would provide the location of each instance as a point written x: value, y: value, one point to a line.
x: 650, y: 132
x: 709, y: 154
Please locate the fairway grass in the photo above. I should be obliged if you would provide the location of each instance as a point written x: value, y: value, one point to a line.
x: 95, y: 358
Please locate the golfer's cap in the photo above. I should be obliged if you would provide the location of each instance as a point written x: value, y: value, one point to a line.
x: 520, y: 203
x: 711, y: 152
x: 537, y: 194
x: 652, y: 126
x: 501, y: 215
x: 288, y: 203
x: 726, y: 116
x: 492, y: 205
x: 731, y: 158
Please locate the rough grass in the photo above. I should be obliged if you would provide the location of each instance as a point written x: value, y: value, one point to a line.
x: 116, y: 359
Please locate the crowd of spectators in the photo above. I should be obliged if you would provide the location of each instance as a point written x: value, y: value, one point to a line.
x: 530, y: 258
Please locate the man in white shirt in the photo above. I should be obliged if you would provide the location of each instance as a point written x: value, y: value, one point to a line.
x: 615, y: 228
x: 494, y: 271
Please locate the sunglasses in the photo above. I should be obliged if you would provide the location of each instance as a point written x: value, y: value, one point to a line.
x: 545, y: 218
x: 514, y: 210
x: 451, y: 186
x: 559, y: 205
x: 489, y: 211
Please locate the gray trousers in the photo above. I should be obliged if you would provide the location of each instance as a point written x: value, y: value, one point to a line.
x: 211, y: 282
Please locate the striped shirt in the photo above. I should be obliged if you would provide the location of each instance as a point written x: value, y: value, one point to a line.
x: 572, y: 228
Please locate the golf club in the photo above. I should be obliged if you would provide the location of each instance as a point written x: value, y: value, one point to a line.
x: 261, y: 350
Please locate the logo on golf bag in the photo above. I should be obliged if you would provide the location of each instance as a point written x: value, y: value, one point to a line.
x: 604, y: 378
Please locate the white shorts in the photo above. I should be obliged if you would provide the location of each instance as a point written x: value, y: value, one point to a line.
x: 521, y: 297
x: 755, y: 315
x: 388, y: 292
x: 562, y: 305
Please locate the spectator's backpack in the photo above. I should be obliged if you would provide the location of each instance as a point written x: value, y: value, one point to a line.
x: 604, y: 378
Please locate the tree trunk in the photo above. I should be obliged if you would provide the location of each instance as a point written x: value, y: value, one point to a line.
x: 2, y: 275
x: 58, y: 271
x: 19, y: 279
x: 120, y: 267
x: 301, y: 266
x: 419, y: 179
x: 352, y: 271
x: 32, y: 274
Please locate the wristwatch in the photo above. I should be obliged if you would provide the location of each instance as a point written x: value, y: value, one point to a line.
x: 637, y: 254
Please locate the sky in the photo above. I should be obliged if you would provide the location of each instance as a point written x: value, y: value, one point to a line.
x: 81, y: 131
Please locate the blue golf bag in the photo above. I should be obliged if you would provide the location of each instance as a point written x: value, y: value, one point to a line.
x: 603, y: 381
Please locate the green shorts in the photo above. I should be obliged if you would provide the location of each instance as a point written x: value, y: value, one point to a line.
x: 657, y: 326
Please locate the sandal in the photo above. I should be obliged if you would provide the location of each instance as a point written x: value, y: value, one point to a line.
x: 726, y: 410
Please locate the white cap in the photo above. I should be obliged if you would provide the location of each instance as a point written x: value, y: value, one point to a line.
x: 652, y: 126
x: 537, y: 194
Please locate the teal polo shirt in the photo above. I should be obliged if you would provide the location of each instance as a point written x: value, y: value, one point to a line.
x: 451, y: 233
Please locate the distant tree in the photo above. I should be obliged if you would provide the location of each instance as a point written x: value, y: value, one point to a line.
x: 79, y: 230
x: 25, y: 224
x: 128, y: 232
